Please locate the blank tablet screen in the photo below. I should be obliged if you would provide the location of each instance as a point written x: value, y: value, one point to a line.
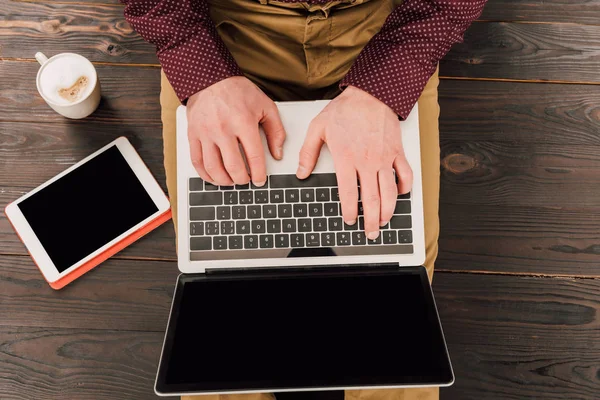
x: 304, y: 331
x: 87, y: 208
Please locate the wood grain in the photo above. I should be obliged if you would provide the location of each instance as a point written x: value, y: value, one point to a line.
x: 96, y: 31
x: 41, y: 363
x: 526, y: 51
x: 520, y: 113
x: 129, y: 95
x: 562, y: 11
x: 117, y: 295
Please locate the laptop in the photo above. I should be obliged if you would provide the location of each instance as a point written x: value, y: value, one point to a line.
x: 278, y: 294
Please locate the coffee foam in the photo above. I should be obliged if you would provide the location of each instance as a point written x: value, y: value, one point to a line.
x: 62, y: 75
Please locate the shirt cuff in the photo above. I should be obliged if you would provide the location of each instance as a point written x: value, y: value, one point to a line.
x: 195, y: 65
x: 392, y: 76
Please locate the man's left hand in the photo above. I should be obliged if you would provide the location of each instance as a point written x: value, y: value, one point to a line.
x: 364, y: 138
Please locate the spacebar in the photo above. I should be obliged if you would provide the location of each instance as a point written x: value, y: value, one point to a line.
x: 290, y: 181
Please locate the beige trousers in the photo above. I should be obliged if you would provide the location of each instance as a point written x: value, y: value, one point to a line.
x: 297, y: 51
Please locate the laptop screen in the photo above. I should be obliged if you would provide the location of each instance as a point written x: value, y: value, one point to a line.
x: 264, y: 331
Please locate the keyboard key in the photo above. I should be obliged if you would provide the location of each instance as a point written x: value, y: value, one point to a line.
x: 224, y: 212
x: 320, y: 224
x: 212, y: 228
x: 282, y: 241
x: 227, y: 228
x: 315, y: 210
x: 266, y: 185
x: 266, y: 241
x: 404, y: 196
x: 196, y: 185
x: 335, y: 224
x: 376, y: 241
x: 220, y: 243
x: 276, y: 196
x: 361, y: 210
x: 238, y: 212
x: 343, y: 238
x: 322, y: 194
x: 259, y: 226
x: 202, y: 213
x: 289, y: 225
x: 210, y: 186
x: 300, y: 210
x: 269, y: 211
x: 292, y: 196
x: 284, y: 210
x: 402, y: 207
x: 273, y: 226
x: 350, y: 227
x: 235, y: 243
x: 200, y: 243
x: 361, y: 223
x: 359, y: 238
x: 389, y: 237
x: 307, y: 195
x: 246, y: 197
x: 230, y: 198
x: 261, y: 196
x: 331, y: 209
x: 251, y: 242
x: 312, y: 240
x: 226, y: 187
x: 254, y: 212
x: 401, y: 222
x: 314, y: 180
x: 327, y: 239
x: 196, y: 228
x: 242, y: 227
x: 297, y: 240
x: 241, y: 187
x: 304, y: 225
x: 335, y: 195
x: 405, y: 237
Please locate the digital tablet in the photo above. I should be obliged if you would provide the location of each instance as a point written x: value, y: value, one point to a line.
x: 88, y: 212
x: 311, y: 329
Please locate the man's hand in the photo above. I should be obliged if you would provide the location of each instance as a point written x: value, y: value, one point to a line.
x: 364, y: 138
x: 220, y: 119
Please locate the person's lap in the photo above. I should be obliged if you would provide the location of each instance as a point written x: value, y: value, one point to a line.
x: 289, y: 69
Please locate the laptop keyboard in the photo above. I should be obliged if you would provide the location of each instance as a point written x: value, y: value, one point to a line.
x: 286, y: 213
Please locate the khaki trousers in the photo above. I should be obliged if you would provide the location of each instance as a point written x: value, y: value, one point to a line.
x: 297, y: 51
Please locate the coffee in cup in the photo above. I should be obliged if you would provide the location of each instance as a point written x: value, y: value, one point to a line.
x: 69, y: 84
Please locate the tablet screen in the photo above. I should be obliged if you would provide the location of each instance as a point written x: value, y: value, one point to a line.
x: 304, y: 332
x: 87, y: 208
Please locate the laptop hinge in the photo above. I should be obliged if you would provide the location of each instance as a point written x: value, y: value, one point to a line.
x: 346, y: 268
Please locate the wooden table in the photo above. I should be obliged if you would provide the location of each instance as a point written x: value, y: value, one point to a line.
x: 518, y: 277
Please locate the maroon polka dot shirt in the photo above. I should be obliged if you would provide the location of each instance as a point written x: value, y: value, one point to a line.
x: 394, y: 66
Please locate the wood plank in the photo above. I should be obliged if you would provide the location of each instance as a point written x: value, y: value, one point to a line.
x: 96, y: 31
x: 561, y: 52
x: 40, y: 363
x: 119, y: 295
x: 520, y: 113
x: 521, y: 337
x: 582, y: 12
x: 129, y: 95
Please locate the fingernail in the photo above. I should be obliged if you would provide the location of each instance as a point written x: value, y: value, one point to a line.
x: 302, y: 171
x: 373, y: 235
x: 383, y: 223
x: 351, y: 222
x: 260, y: 184
x: 279, y: 152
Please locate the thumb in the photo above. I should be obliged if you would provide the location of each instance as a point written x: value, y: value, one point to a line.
x: 274, y: 131
x: 309, y: 153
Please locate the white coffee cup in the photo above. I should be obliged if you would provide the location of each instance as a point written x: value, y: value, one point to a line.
x: 69, y: 84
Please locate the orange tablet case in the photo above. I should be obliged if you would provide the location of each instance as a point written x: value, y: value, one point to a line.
x: 106, y: 254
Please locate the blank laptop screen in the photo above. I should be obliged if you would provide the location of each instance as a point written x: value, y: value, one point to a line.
x: 282, y: 331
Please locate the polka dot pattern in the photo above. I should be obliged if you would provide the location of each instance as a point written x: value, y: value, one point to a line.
x: 394, y: 66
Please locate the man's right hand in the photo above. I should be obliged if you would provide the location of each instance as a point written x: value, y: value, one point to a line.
x: 220, y: 119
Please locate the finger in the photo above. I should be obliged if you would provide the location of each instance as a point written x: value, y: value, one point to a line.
x: 213, y: 164
x: 388, y: 192
x: 348, y: 190
x: 197, y: 160
x: 274, y: 131
x: 369, y: 193
x: 255, y: 156
x: 404, y: 173
x: 309, y: 153
x: 233, y: 161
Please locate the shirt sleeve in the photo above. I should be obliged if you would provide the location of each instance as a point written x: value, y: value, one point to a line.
x: 399, y: 60
x: 188, y: 46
